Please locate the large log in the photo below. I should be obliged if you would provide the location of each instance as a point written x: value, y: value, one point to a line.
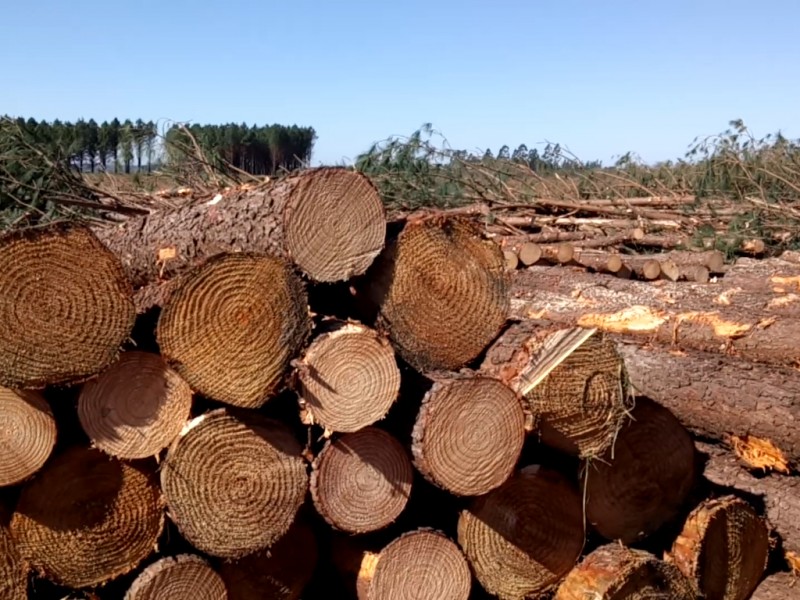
x: 183, y: 577
x: 754, y: 318
x: 330, y: 221
x: 439, y: 289
x: 716, y: 396
x: 66, y: 306
x: 780, y: 494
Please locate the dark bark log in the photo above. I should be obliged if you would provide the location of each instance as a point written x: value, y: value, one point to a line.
x: 758, y: 321
x: 779, y: 494
x: 330, y: 222
x: 716, y: 396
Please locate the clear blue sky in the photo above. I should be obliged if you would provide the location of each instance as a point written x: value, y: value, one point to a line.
x: 600, y: 77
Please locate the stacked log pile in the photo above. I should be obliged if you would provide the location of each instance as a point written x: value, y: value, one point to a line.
x: 293, y: 395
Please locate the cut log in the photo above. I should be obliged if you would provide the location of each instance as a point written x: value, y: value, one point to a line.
x: 183, y: 577
x: 66, y: 307
x: 716, y: 396
x: 348, y: 378
x: 603, y: 262
x: 512, y: 260
x: 282, y: 572
x: 614, y: 572
x: 233, y: 483
x: 780, y: 494
x: 562, y: 253
x: 13, y: 570
x: 354, y: 560
x: 644, y: 480
x: 361, y: 481
x: 422, y: 564
x: 723, y: 548
x: 27, y: 434
x: 573, y: 381
x: 87, y: 518
x: 529, y: 253
x: 329, y: 221
x: 780, y: 586
x: 468, y: 434
x: 755, y: 322
x: 233, y: 325
x: 136, y: 407
x: 440, y: 290
x: 524, y: 536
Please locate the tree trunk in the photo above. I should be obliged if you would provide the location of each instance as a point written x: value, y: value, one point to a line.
x: 754, y: 318
x: 136, y: 407
x: 716, y: 396
x: 348, y: 377
x: 329, y: 221
x: 201, y: 327
x: 779, y: 494
x: 571, y: 379
x: 524, y: 536
x: 440, y: 291
x: 361, y: 481
x: 233, y: 483
x: 87, y: 519
x: 422, y: 564
x: 182, y: 576
x: 643, y: 481
x: 614, y: 572
x: 468, y: 434
x: 66, y: 307
x: 723, y: 527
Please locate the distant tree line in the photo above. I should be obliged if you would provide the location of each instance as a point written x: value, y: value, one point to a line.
x: 259, y: 150
x: 88, y: 146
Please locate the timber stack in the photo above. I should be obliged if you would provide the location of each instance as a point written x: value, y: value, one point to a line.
x: 294, y: 394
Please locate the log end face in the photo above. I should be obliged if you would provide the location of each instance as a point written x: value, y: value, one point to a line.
x: 335, y: 223
x: 182, y: 576
x: 28, y: 434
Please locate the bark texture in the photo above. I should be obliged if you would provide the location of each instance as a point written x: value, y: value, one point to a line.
x: 780, y: 494
x: 716, y: 395
x: 754, y: 317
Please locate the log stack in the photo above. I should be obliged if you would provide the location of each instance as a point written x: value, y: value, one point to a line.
x: 291, y: 395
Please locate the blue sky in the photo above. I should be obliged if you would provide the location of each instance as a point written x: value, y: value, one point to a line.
x: 601, y: 78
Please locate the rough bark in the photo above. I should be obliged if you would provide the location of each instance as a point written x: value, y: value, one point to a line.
x: 780, y: 494
x: 524, y: 536
x: 13, y: 570
x: 573, y: 382
x: 440, y: 291
x: 759, y: 321
x: 468, y: 434
x: 723, y: 548
x: 716, y: 396
x: 66, y: 306
x: 329, y: 221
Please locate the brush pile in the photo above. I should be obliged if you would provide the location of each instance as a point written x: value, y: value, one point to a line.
x: 289, y: 394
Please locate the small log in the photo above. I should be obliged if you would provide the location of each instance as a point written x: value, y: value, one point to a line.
x: 201, y: 329
x: 67, y: 307
x: 423, y: 564
x: 779, y: 586
x: 717, y: 396
x: 670, y: 270
x: 282, y: 572
x: 524, y: 536
x: 233, y: 483
x: 87, y: 518
x: 562, y: 253
x: 136, y: 407
x: 529, y: 253
x: 361, y: 481
x: 13, y: 570
x: 468, y: 434
x: 643, y: 481
x: 348, y: 377
x: 329, y: 221
x: 615, y: 572
x: 512, y: 260
x: 183, y: 577
x: 440, y: 290
x: 757, y: 321
x: 603, y: 262
x: 723, y: 548
x: 780, y: 494
x: 573, y: 382
x: 27, y: 434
